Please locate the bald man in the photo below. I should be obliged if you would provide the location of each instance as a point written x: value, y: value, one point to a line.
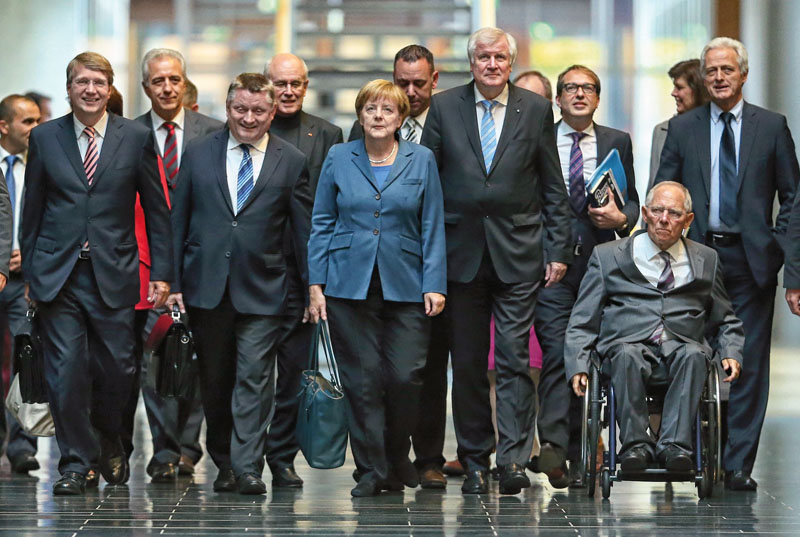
x: 536, y: 82
x: 314, y: 137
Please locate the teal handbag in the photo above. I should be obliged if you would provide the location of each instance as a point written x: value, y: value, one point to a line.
x: 321, y: 428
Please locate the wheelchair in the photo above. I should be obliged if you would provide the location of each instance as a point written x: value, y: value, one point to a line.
x: 599, y: 412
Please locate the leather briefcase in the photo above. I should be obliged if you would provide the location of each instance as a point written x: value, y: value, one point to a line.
x: 172, y: 367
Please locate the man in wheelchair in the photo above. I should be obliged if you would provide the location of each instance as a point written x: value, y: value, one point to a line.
x: 647, y: 300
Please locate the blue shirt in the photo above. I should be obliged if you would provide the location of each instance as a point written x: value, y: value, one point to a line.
x: 717, y: 127
x: 381, y: 173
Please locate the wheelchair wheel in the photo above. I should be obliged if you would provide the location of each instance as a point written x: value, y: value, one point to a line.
x: 711, y: 436
x: 605, y: 479
x: 705, y: 488
x: 593, y: 430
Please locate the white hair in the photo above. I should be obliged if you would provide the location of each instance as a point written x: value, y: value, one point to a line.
x: 488, y: 36
x: 156, y: 53
x: 726, y: 42
x: 687, y: 197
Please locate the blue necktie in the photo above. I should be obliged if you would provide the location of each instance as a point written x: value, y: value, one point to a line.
x: 577, y: 184
x: 488, y: 137
x: 728, y: 208
x: 10, y: 161
x: 244, y: 184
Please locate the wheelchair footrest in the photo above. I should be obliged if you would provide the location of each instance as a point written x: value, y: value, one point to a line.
x: 655, y: 474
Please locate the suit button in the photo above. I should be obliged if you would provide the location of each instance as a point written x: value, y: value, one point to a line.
x: 377, y: 196
x: 375, y: 231
x: 227, y: 254
x: 487, y: 216
x: 377, y: 214
x: 234, y: 223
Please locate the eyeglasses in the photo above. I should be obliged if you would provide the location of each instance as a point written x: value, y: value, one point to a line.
x: 572, y: 88
x: 283, y: 84
x: 672, y: 214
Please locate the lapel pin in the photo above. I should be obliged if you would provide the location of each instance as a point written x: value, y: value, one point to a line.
x: 311, y: 134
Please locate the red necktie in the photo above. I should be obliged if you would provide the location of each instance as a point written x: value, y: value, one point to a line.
x: 91, y: 157
x: 171, y: 154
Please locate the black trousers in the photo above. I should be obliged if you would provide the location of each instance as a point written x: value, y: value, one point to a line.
x: 747, y: 406
x: 380, y: 347
x: 89, y: 369
x: 292, y: 356
x: 471, y: 306
x: 236, y: 355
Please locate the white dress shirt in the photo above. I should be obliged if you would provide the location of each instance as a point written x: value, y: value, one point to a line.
x: 498, y: 112
x: 161, y: 132
x: 233, y: 160
x: 83, y: 139
x: 717, y: 127
x: 588, y: 145
x: 19, y: 184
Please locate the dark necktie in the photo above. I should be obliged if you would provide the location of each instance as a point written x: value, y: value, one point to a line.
x: 91, y: 157
x: 411, y: 133
x: 665, y: 283
x: 244, y: 183
x: 728, y: 208
x: 171, y: 154
x: 10, y: 161
x: 488, y: 136
x: 577, y: 184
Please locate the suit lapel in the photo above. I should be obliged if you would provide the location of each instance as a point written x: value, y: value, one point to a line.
x: 696, y: 260
x: 401, y: 162
x: 624, y: 257
x: 513, y: 112
x: 702, y: 142
x: 470, y: 119
x: 191, y: 128
x: 362, y: 163
x: 272, y: 157
x: 308, y: 131
x: 69, y: 143
x: 748, y: 134
x: 603, y: 147
x: 220, y: 164
x: 111, y: 142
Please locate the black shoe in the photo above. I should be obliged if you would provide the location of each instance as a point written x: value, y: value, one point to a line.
x: 225, y: 481
x: 367, y: 486
x: 251, y: 484
x: 113, y: 463
x: 576, y: 477
x: 162, y: 472
x: 92, y: 479
x: 405, y: 471
x: 513, y: 479
x: 185, y: 465
x: 675, y: 459
x: 23, y: 463
x: 356, y: 475
x: 392, y: 484
x: 286, y: 477
x: 533, y: 464
x: 739, y: 480
x: 475, y: 482
x: 495, y: 473
x: 70, y: 484
x: 635, y: 459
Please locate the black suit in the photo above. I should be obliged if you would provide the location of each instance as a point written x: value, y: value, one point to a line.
x: 90, y: 301
x: 767, y: 166
x: 174, y: 423
x: 555, y: 303
x: 314, y: 137
x: 232, y: 272
x: 499, y: 227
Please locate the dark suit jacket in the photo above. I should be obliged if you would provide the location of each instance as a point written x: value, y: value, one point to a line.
x: 356, y: 131
x: 317, y: 136
x: 767, y: 164
x: 195, y: 125
x: 6, y: 226
x: 791, y: 272
x: 616, y: 304
x: 519, y: 210
x: 215, y: 248
x: 406, y: 212
x: 61, y: 209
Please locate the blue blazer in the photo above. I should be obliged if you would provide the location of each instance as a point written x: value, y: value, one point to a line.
x: 400, y: 227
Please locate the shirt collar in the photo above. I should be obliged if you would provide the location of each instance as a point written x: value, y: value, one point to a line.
x: 260, y: 145
x: 564, y: 129
x: 502, y: 98
x: 421, y: 117
x: 22, y: 156
x: 677, y: 251
x: 736, y: 111
x: 158, y: 120
x: 99, y: 127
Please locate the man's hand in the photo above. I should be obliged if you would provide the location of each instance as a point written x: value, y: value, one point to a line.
x: 434, y: 304
x: 579, y: 383
x: 553, y: 273
x: 607, y: 216
x: 733, y: 369
x: 15, y: 265
x: 157, y: 293
x: 176, y: 298
x: 316, y: 306
x: 793, y: 299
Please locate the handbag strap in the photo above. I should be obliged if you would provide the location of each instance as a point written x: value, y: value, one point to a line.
x: 330, y: 358
x: 313, y: 349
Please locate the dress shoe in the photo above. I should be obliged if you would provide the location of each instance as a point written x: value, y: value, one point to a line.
x: 185, y: 465
x: 635, y: 459
x: 225, y: 481
x: 24, y: 463
x: 405, y: 471
x: 533, y: 464
x: 392, y: 484
x: 475, y: 482
x: 675, y: 459
x: 513, y: 479
x: 356, y: 475
x: 576, y: 477
x: 553, y: 462
x: 70, y: 484
x: 162, y: 472
x: 251, y: 484
x: 92, y: 479
x: 739, y: 480
x: 453, y: 468
x: 113, y: 463
x: 286, y: 477
x: 432, y: 478
x: 368, y: 486
x: 495, y: 472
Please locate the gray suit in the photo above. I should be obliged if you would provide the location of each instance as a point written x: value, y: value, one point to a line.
x: 659, y: 137
x: 618, y: 310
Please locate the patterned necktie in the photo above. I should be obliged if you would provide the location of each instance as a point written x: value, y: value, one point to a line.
x: 91, y: 157
x: 577, y: 184
x: 171, y: 154
x: 488, y: 137
x: 665, y: 283
x: 10, y: 161
x: 411, y: 133
x: 728, y: 209
x: 244, y: 184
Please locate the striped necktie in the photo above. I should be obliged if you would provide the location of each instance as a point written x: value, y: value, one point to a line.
x: 411, y: 132
x: 666, y: 282
x: 171, y: 154
x: 91, y: 157
x: 488, y: 136
x: 244, y: 183
x: 577, y: 184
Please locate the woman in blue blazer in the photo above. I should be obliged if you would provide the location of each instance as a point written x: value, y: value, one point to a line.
x: 377, y: 273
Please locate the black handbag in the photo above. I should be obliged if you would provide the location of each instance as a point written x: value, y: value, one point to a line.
x: 174, y: 361
x: 29, y: 361
x: 321, y: 428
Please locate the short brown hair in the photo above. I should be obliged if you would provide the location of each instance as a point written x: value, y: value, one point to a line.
x: 548, y: 89
x: 92, y: 61
x: 114, y: 101
x: 583, y: 69
x: 252, y: 82
x: 690, y: 71
x: 383, y: 89
x: 190, y: 95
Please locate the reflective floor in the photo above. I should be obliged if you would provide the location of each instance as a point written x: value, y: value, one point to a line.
x: 324, y: 506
